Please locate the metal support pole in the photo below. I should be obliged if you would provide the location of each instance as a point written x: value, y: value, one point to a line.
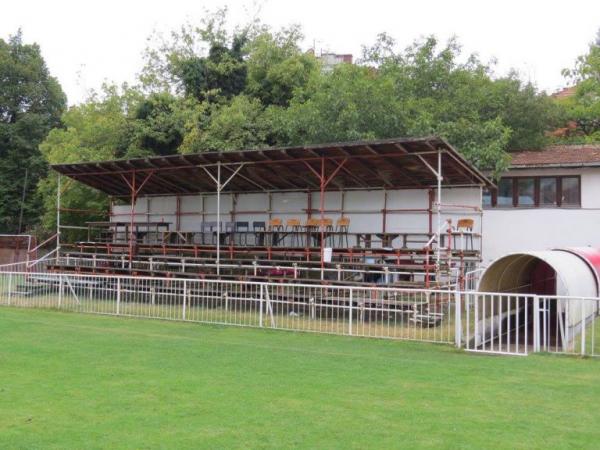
x: 218, y: 217
x: 178, y: 213
x: 60, y: 290
x: 350, y: 306
x: 384, y: 215
x: 458, y: 319
x: 184, y: 299
x: 321, y: 210
x: 583, y: 312
x: 10, y: 277
x: 58, y: 216
x: 536, y: 323
x: 131, y: 217
x: 439, y: 206
x: 260, y: 307
x: 118, y: 296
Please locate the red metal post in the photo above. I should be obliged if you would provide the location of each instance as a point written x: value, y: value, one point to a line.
x: 321, y: 211
x: 132, y: 215
x: 178, y: 213
x: 384, y: 218
x: 430, y: 210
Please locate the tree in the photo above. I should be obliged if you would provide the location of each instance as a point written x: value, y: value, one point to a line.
x: 352, y: 103
x: 157, y: 124
x: 31, y: 103
x: 584, y: 106
x: 205, y: 62
x: 422, y: 90
x: 221, y: 73
x: 241, y: 125
x: 99, y: 129
x: 277, y: 68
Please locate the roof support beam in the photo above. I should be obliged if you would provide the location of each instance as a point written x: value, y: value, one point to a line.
x: 367, y: 168
x: 250, y: 180
x: 397, y: 166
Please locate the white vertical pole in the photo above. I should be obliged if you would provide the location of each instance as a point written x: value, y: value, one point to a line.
x: 582, y: 325
x: 60, y: 290
x: 476, y: 314
x: 457, y: 319
x: 58, y: 216
x: 118, y: 296
x: 536, y: 324
x: 439, y: 206
x: 184, y: 298
x: 350, y: 305
x: 218, y: 217
x: 468, y: 321
x: 260, y: 309
x: 10, y: 276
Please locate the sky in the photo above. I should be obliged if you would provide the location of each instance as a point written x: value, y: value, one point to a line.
x: 86, y: 43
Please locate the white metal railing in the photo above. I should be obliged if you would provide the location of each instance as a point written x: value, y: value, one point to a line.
x: 38, y: 265
x: 524, y: 323
x: 414, y: 314
x: 483, y: 322
x: 295, y: 270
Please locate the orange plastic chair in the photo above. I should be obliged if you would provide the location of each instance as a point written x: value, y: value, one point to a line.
x: 465, y: 225
x: 275, y: 224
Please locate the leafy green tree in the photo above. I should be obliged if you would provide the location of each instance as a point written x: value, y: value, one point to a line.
x: 352, y: 103
x: 31, y: 102
x: 205, y: 62
x: 96, y: 130
x: 221, y: 73
x: 157, y: 125
x: 422, y: 90
x: 241, y: 125
x: 584, y: 106
x: 277, y: 68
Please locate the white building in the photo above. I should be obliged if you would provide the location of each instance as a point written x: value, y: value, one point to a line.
x: 547, y: 199
x: 330, y: 60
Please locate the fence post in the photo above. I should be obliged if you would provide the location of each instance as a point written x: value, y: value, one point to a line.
x: 350, y: 311
x: 536, y: 323
x: 118, y: 296
x: 9, y: 288
x: 457, y: 319
x: 60, y: 290
x: 582, y: 325
x: 260, y: 307
x: 184, y: 297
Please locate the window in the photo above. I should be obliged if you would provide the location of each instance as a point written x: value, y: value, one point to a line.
x: 548, y: 186
x: 487, y: 197
x: 505, y: 192
x: 528, y: 192
x: 525, y: 192
x: 570, y: 191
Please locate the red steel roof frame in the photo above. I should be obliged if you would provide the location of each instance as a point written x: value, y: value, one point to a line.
x: 400, y: 163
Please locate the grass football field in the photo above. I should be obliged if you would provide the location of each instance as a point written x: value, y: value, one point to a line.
x: 81, y: 381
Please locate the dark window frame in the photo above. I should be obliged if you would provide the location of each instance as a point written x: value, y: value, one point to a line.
x: 537, y: 193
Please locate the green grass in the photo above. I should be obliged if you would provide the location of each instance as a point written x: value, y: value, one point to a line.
x: 82, y: 381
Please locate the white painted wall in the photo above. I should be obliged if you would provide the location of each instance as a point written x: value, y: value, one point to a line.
x: 364, y: 208
x: 525, y: 229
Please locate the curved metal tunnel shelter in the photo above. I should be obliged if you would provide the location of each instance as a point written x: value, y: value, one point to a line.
x: 551, y: 297
x: 563, y: 272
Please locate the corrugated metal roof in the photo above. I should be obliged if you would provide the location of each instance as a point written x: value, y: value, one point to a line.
x: 389, y: 163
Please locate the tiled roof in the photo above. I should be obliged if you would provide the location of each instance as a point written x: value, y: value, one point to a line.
x: 558, y: 156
